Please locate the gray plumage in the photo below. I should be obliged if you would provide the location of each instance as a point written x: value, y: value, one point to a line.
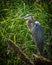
x: 38, y: 36
x: 36, y: 32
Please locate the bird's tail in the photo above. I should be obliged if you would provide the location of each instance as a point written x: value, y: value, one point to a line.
x: 41, y: 49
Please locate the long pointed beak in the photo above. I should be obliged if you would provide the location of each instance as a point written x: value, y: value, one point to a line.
x: 24, y: 16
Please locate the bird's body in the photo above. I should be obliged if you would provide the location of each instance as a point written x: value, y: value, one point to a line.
x: 36, y: 32
x: 38, y: 36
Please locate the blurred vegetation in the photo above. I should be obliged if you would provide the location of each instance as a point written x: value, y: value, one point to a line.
x: 14, y: 28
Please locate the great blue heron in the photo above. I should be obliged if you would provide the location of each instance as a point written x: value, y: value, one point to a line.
x: 36, y: 31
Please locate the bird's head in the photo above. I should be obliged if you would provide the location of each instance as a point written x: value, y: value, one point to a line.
x: 30, y: 20
x: 28, y: 17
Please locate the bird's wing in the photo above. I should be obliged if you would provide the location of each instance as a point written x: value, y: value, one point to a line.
x: 37, y: 34
x: 40, y: 34
x: 38, y: 37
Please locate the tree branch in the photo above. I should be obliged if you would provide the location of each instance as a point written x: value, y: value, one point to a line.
x: 20, y: 53
x: 41, y: 60
x: 38, y: 60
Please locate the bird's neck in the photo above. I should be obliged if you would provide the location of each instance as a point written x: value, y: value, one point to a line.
x: 30, y: 24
